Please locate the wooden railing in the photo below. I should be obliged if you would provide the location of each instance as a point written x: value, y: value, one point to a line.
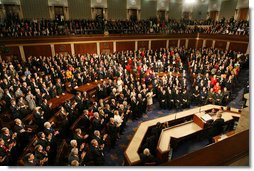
x: 217, y: 154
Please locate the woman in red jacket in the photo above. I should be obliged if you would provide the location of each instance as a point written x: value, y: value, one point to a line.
x: 214, y: 80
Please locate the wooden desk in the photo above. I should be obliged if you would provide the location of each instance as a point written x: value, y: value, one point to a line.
x: 131, y: 153
x: 220, y: 137
x: 177, y: 131
x: 90, y: 86
x: 56, y: 102
x: 247, y: 96
x: 28, y: 149
x: 161, y: 74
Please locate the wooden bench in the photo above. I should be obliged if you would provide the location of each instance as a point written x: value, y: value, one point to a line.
x: 28, y: 149
x: 62, y: 152
x: 56, y: 102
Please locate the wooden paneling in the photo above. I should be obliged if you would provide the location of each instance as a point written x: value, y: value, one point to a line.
x: 106, y: 47
x: 224, y: 37
x: 220, y: 44
x: 243, y: 14
x: 10, y: 53
x: 239, y: 47
x: 182, y: 42
x: 192, y: 43
x: 123, y: 46
x: 217, y: 154
x: 78, y: 38
x: 142, y: 44
x: 13, y: 50
x: 87, y: 43
x: 63, y: 48
x: 85, y: 48
x: 209, y: 43
x: 157, y: 44
x: 199, y: 44
x: 213, y: 15
x: 172, y: 43
x: 39, y: 50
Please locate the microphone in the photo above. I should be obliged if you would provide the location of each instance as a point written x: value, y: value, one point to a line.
x: 200, y: 109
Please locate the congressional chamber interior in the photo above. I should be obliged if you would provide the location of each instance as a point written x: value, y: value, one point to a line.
x: 124, y: 83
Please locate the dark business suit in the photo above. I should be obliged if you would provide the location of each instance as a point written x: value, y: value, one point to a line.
x: 84, y: 123
x: 148, y: 159
x: 97, y: 156
x: 216, y: 129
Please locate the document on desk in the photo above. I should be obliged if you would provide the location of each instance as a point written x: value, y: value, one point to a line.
x: 206, y: 117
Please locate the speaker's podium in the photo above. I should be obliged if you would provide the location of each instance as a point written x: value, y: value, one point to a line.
x: 202, y: 119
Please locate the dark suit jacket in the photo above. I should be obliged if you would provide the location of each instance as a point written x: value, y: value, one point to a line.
x: 150, y: 159
x: 97, y: 156
x: 217, y: 127
x: 15, y: 112
x: 84, y: 123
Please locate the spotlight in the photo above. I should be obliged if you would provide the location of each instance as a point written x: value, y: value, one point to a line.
x: 187, y: 2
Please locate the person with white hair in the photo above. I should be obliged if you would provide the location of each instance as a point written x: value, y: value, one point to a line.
x: 73, y: 143
x: 97, y: 154
x: 73, y: 155
x: 30, y: 98
x: 147, y: 159
x: 24, y: 133
x: 74, y: 163
x: 149, y: 97
x: 119, y: 85
x: 41, y: 155
x: 48, y: 129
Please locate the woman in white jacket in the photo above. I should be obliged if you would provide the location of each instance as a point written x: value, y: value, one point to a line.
x: 150, y: 96
x: 118, y: 120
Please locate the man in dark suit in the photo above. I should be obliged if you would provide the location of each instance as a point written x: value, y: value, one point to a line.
x: 112, y: 131
x: 39, y: 117
x: 14, y: 110
x: 79, y: 102
x: 46, y: 108
x: 4, y: 154
x: 24, y: 134
x: 29, y: 160
x: 217, y: 127
x: 147, y: 159
x: 97, y: 153
x: 84, y: 122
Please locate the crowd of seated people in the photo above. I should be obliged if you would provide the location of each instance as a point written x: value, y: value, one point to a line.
x: 133, y: 83
x: 15, y: 27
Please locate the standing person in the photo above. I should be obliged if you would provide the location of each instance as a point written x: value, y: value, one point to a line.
x: 178, y: 100
x: 119, y: 85
x: 150, y: 96
x: 147, y: 159
x: 218, y: 97
x: 226, y: 96
x: 170, y: 99
x: 118, y: 120
x: 163, y: 99
x: 196, y: 95
x: 97, y: 153
x: 112, y: 131
x: 29, y: 160
x: 185, y: 99
x: 217, y: 127
x: 210, y: 97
